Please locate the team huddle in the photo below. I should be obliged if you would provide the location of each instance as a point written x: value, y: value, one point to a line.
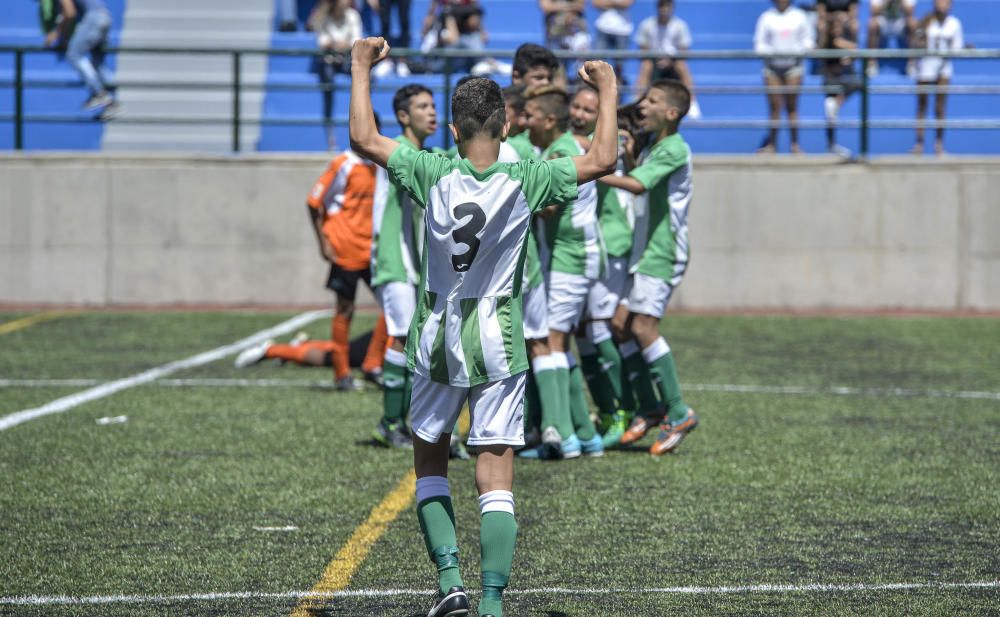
x: 556, y: 216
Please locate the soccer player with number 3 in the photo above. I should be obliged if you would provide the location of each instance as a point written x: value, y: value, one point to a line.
x: 466, y: 342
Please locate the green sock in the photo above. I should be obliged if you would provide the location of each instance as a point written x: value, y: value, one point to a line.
x: 564, y: 417
x: 641, y: 381
x: 664, y: 374
x: 437, y: 522
x: 611, y: 368
x: 579, y: 410
x: 599, y: 384
x: 394, y: 399
x: 555, y: 406
x: 497, y: 536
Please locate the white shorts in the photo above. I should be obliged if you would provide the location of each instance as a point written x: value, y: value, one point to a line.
x: 536, y: 314
x: 567, y: 299
x: 398, y: 302
x: 933, y: 68
x: 606, y: 292
x: 496, y: 410
x: 649, y: 295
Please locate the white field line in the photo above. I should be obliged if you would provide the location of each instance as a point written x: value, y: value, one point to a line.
x: 107, y: 389
x: 384, y: 593
x: 696, y: 387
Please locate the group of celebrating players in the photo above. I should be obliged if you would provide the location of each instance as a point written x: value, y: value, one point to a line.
x: 545, y: 221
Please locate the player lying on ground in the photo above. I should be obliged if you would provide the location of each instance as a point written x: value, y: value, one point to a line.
x: 465, y: 343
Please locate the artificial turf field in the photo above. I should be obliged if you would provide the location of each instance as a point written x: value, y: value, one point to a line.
x: 844, y: 466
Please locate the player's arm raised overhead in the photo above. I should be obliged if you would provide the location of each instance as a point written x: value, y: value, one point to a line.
x: 602, y: 157
x: 365, y: 138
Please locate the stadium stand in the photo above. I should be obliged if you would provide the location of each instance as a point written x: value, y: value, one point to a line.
x: 290, y: 98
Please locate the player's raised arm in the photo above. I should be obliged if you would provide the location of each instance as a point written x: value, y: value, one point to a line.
x: 365, y: 138
x: 600, y: 160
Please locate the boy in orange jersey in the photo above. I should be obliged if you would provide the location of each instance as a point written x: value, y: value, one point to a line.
x: 340, y: 209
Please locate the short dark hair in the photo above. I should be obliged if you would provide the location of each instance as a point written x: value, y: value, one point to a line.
x: 677, y: 93
x: 514, y: 96
x: 477, y: 107
x: 530, y: 55
x: 660, y: 3
x: 581, y: 87
x: 401, y: 100
x: 554, y: 101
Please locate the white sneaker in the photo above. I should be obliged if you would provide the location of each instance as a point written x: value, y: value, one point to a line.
x: 402, y: 69
x: 252, y: 355
x: 383, y: 68
x: 298, y: 339
x: 840, y: 151
x: 551, y: 437
x: 347, y: 384
x: 831, y: 108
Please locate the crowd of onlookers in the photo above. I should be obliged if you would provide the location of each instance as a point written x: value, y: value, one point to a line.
x: 781, y: 29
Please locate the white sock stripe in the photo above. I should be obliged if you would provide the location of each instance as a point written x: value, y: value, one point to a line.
x: 542, y: 363
x: 432, y: 486
x: 628, y: 349
x: 656, y: 350
x: 559, y: 360
x: 599, y: 331
x: 395, y: 357
x: 496, y: 501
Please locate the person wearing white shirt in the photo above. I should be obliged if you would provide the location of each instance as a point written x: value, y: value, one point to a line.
x: 337, y: 25
x: 614, y: 27
x: 669, y: 36
x: 938, y: 31
x: 783, y: 29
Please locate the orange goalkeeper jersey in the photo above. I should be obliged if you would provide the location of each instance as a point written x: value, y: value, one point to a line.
x: 344, y: 193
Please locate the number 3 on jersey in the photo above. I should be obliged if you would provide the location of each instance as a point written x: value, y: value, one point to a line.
x: 466, y: 234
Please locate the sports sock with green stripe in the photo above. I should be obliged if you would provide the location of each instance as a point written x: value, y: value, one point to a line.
x: 639, y: 378
x: 564, y: 417
x: 437, y: 523
x: 497, y: 537
x: 394, y: 378
x: 611, y: 360
x: 579, y: 410
x: 597, y: 381
x: 555, y: 407
x: 664, y: 373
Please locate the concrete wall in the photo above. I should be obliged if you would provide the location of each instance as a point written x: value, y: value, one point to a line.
x: 765, y: 233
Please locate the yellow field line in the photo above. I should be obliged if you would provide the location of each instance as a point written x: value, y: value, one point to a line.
x: 30, y: 320
x: 345, y: 564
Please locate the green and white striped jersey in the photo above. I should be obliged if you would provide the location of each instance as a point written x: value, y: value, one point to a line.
x: 468, y: 327
x: 614, y: 213
x: 396, y: 229
x: 661, y: 234
x: 573, y: 242
x: 523, y: 146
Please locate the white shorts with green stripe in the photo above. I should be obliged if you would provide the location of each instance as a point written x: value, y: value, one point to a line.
x: 567, y: 299
x: 398, y: 301
x: 649, y: 295
x: 536, y: 313
x: 496, y: 410
x: 608, y: 290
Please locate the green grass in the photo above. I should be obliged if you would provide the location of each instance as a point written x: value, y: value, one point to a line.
x: 771, y: 489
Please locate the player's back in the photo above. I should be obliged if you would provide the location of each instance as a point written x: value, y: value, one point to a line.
x: 468, y: 324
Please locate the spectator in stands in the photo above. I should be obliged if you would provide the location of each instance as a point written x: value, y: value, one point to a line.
x: 534, y: 65
x: 84, y: 30
x: 890, y: 19
x: 460, y: 27
x: 614, y: 27
x: 667, y: 35
x: 938, y: 31
x: 826, y: 8
x: 403, y: 40
x: 783, y: 29
x: 566, y: 29
x: 337, y: 25
x: 839, y: 75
